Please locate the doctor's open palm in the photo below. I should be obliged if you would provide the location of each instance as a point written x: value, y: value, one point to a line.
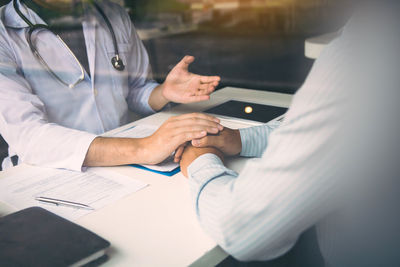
x: 181, y: 86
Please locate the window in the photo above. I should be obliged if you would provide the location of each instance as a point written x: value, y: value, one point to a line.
x: 249, y: 43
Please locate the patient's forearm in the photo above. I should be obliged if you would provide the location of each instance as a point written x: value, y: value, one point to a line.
x: 114, y: 151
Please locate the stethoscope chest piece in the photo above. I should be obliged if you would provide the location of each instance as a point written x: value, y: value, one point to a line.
x: 117, y: 63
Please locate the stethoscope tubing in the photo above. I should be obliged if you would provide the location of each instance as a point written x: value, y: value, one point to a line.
x: 116, y: 61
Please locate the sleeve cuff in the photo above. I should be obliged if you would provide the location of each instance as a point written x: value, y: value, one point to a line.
x: 202, y: 170
x: 203, y: 162
x: 205, y: 169
x: 81, y: 151
x: 255, y: 139
x: 245, y: 137
x: 146, y: 108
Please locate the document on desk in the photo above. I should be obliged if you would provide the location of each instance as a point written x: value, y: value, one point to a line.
x: 141, y: 131
x: 96, y: 188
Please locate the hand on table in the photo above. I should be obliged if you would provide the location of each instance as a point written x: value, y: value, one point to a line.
x: 181, y: 86
x: 175, y: 132
x: 227, y: 141
x: 191, y: 153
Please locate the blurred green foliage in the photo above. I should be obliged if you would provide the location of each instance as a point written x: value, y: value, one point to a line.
x: 45, y: 13
x: 147, y: 9
x: 139, y: 9
x: 4, y: 2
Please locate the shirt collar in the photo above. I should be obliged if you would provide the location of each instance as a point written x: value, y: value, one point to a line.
x: 13, y: 20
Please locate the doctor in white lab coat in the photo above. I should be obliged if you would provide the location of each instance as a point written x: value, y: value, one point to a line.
x: 47, y: 123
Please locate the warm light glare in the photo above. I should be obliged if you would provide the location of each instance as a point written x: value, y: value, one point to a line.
x: 248, y: 109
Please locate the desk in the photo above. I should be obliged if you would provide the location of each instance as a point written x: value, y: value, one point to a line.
x: 157, y: 226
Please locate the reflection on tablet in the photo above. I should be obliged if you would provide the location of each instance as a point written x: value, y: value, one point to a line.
x: 248, y: 111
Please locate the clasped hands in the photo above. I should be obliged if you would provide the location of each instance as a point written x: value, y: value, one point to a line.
x: 190, y: 135
x: 226, y: 143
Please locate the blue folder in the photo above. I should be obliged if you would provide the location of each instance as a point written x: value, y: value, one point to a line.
x: 169, y: 174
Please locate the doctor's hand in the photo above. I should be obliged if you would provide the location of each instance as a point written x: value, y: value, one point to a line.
x: 191, y: 153
x: 175, y: 132
x: 181, y: 86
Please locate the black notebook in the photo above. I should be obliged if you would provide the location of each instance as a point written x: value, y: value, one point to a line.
x: 37, y: 237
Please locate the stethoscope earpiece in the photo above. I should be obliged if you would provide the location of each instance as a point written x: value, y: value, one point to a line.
x: 117, y: 63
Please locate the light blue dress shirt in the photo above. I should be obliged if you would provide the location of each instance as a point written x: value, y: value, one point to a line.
x: 46, y: 123
x: 333, y: 162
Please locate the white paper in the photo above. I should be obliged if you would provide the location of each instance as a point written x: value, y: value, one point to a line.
x: 167, y: 165
x: 141, y: 131
x: 97, y: 188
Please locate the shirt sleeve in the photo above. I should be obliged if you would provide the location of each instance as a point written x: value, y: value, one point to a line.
x: 255, y: 139
x: 260, y: 213
x: 254, y: 142
x: 141, y: 83
x: 24, y: 124
x: 237, y: 219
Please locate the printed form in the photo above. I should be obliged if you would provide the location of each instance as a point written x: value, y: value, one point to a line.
x: 96, y: 188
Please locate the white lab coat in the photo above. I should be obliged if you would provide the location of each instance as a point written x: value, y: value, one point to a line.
x: 46, y: 123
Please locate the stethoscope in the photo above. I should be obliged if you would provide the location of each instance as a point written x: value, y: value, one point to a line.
x: 116, y: 61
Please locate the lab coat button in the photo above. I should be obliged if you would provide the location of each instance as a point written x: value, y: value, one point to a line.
x: 95, y: 92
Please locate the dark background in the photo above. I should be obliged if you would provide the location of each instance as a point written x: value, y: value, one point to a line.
x: 264, y: 62
x: 260, y: 48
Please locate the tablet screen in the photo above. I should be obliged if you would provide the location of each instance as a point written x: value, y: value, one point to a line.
x: 248, y: 111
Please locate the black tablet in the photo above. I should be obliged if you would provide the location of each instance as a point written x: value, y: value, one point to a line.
x: 248, y: 111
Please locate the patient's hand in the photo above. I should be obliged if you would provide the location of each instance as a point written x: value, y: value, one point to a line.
x: 191, y: 153
x: 228, y: 141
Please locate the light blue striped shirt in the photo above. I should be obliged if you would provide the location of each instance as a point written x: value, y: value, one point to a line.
x: 319, y: 167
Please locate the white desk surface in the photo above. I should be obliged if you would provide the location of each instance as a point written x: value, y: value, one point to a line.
x: 315, y: 45
x: 157, y: 226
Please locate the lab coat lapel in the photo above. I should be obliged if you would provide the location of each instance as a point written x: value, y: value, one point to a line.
x: 10, y: 17
x: 89, y: 26
x: 89, y: 30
